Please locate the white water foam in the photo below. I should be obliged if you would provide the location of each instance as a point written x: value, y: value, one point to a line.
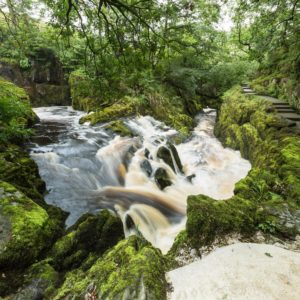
x: 87, y: 169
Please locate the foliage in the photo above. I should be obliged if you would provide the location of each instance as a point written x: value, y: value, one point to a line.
x: 15, y: 112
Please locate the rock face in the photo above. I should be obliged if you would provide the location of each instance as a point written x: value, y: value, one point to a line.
x: 44, y: 79
x: 133, y: 269
x: 91, y: 235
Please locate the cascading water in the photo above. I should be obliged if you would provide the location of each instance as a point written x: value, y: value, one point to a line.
x: 86, y: 169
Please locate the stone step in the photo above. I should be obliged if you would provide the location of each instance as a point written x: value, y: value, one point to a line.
x: 290, y: 116
x: 280, y: 104
x: 285, y: 110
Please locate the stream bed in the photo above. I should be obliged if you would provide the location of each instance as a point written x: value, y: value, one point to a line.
x: 87, y: 168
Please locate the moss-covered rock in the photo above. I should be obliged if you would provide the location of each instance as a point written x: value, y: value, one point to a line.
x: 279, y: 85
x: 40, y: 282
x: 133, y: 269
x: 15, y: 113
x: 92, y: 234
x: 17, y: 168
x: 124, y: 108
x: 119, y: 128
x: 28, y: 228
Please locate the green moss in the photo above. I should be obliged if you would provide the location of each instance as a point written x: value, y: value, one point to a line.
x: 15, y: 113
x: 209, y: 218
x: 17, y: 168
x: 119, y: 128
x: 39, y: 279
x: 279, y: 85
x: 31, y: 230
x: 91, y: 234
x: 113, y: 112
x: 132, y: 269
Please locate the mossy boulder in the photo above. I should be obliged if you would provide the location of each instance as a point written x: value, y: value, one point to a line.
x: 28, y: 229
x: 16, y: 114
x: 133, y: 269
x: 246, y: 124
x: 92, y: 234
x: 209, y: 218
x: 119, y: 128
x: 40, y: 282
x: 110, y: 113
x: 17, y: 168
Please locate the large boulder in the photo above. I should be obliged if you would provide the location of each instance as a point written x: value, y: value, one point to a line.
x: 27, y: 228
x: 133, y: 269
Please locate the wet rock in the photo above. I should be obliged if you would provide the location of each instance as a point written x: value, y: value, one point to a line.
x: 133, y: 269
x: 190, y: 177
x: 129, y: 222
x: 147, y: 153
x: 90, y: 234
x: 166, y: 152
x: 146, y: 167
x: 161, y: 178
x: 130, y: 153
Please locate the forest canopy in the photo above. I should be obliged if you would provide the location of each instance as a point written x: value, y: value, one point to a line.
x: 129, y: 46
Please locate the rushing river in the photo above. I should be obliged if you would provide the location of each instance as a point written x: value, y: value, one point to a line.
x: 86, y: 168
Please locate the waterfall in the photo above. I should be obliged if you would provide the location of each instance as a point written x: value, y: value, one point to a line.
x: 87, y: 168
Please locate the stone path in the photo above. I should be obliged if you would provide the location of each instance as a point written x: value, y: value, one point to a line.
x: 281, y: 107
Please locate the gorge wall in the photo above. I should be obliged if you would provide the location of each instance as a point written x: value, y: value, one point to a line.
x: 43, y: 79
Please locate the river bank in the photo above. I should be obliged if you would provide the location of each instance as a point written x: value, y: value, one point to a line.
x: 91, y: 255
